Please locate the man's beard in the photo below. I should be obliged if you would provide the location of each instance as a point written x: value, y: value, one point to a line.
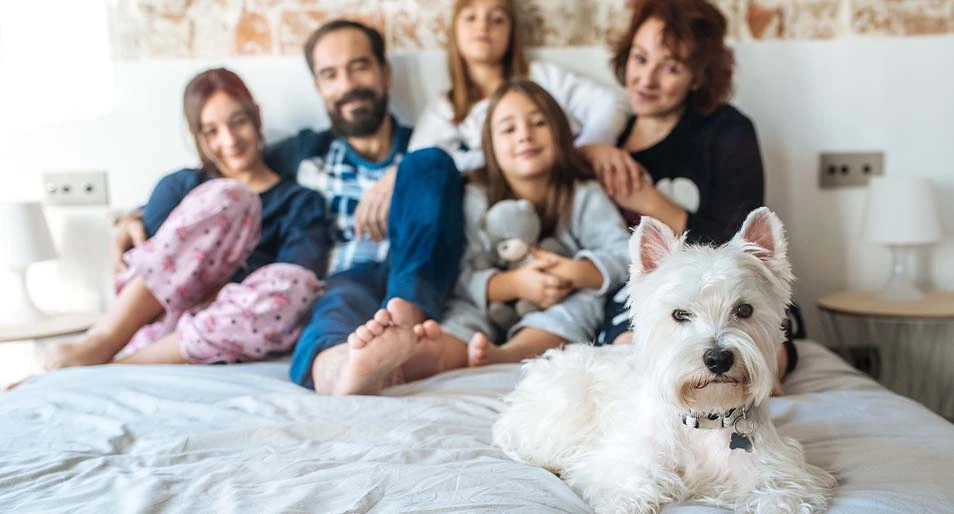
x: 364, y: 120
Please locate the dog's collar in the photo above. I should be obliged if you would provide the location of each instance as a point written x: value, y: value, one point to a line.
x: 714, y: 419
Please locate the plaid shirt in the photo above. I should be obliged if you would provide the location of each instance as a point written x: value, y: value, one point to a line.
x: 327, y: 164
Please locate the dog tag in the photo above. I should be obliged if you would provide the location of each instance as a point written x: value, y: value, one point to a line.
x: 740, y: 441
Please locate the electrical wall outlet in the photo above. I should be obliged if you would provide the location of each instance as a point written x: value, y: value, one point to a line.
x: 75, y: 188
x: 849, y: 169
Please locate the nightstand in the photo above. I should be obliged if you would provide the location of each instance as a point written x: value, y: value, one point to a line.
x: 21, y: 345
x: 907, y: 346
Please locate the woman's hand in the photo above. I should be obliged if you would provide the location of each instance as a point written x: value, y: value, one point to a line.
x: 534, y: 282
x: 128, y: 233
x: 615, y: 168
x: 371, y: 214
x: 650, y: 202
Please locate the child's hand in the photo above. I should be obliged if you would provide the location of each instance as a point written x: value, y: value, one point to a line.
x: 581, y: 273
x: 535, y: 283
x: 562, y: 267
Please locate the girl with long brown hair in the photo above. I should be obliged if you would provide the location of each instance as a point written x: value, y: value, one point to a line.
x: 484, y: 50
x: 530, y: 156
x: 234, y: 254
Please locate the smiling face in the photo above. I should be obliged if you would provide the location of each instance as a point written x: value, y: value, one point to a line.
x: 523, y: 141
x: 657, y: 81
x: 352, y: 82
x: 227, y: 134
x: 482, y: 31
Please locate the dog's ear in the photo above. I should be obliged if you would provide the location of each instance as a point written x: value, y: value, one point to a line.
x: 651, y: 243
x: 763, y: 236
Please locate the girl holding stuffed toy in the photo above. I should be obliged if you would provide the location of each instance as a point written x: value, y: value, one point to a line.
x: 530, y: 155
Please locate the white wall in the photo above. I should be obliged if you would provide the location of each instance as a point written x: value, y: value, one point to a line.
x: 893, y: 95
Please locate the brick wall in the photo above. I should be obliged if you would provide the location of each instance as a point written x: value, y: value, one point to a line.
x: 145, y: 29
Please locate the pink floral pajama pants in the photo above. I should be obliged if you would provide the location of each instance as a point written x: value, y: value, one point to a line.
x: 187, y: 265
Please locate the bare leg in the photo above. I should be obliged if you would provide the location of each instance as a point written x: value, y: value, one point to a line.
x: 528, y: 343
x: 135, y: 307
x: 163, y: 351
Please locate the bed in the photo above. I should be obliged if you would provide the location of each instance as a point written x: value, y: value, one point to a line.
x: 242, y: 438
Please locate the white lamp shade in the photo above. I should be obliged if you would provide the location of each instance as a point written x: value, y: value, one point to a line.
x: 24, y: 235
x: 901, y: 211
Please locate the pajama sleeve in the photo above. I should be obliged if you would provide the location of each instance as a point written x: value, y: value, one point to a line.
x: 472, y: 282
x: 602, y: 234
x: 306, y: 232
x: 738, y: 183
x: 435, y: 127
x: 597, y: 113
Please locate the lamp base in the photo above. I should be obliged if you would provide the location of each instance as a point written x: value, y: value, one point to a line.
x: 900, y: 291
x: 20, y: 308
x: 900, y: 286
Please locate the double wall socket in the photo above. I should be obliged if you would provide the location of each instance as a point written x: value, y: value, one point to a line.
x: 75, y: 188
x: 849, y: 169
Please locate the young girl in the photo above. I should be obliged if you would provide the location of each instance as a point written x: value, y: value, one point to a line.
x: 231, y: 220
x: 484, y: 50
x: 530, y: 155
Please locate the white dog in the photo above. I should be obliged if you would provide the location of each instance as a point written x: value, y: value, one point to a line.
x: 681, y: 414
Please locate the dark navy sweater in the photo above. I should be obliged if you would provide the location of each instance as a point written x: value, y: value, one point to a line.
x: 295, y: 227
x: 711, y: 166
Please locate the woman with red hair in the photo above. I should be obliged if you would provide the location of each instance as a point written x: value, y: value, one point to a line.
x: 701, y: 165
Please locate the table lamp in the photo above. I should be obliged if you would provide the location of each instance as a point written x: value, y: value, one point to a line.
x: 901, y: 215
x: 24, y: 239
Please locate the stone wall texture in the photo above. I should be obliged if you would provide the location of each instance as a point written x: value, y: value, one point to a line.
x: 147, y: 29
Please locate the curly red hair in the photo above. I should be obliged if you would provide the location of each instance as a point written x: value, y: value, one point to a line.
x: 695, y: 32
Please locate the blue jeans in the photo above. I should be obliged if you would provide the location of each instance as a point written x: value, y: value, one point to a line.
x: 426, y: 234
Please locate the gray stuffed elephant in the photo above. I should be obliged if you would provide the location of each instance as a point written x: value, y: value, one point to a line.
x: 512, y: 228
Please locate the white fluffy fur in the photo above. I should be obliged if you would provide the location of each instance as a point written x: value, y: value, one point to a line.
x: 608, y: 419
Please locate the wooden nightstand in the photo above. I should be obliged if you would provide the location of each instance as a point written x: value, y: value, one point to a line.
x: 21, y: 345
x: 907, y: 346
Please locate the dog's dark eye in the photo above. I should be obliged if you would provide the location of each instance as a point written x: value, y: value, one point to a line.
x: 681, y: 316
x: 743, y: 311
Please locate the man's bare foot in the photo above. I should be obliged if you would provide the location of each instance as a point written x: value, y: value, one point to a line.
x: 378, y: 349
x: 480, y: 351
x: 88, y: 351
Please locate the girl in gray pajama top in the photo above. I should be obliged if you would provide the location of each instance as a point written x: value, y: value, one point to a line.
x: 529, y: 152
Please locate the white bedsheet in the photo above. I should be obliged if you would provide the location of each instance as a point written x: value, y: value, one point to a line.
x: 242, y: 438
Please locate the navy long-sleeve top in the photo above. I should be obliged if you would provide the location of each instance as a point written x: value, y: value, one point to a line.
x: 295, y: 226
x: 711, y: 166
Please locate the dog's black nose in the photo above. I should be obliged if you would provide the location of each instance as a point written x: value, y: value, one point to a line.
x: 718, y: 360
